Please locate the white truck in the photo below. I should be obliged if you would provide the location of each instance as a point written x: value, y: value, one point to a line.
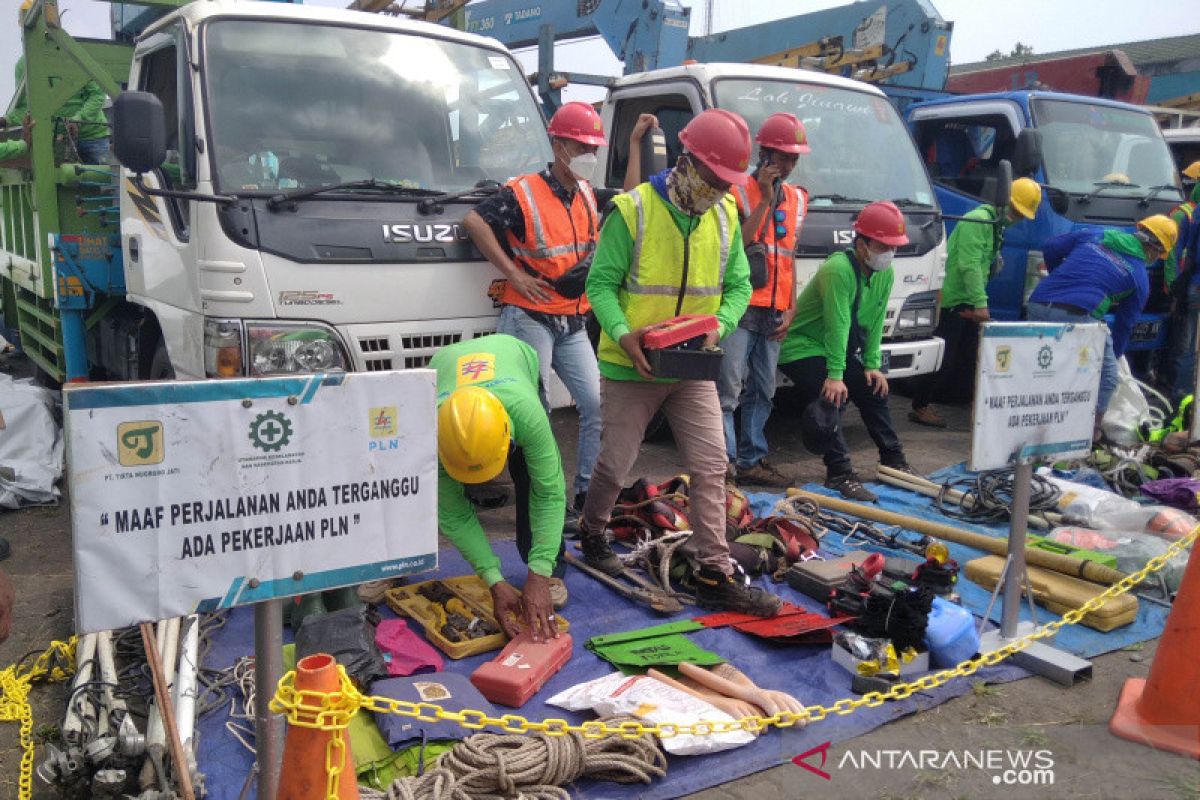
x: 861, y: 152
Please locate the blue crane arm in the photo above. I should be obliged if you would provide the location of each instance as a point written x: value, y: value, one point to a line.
x: 644, y: 35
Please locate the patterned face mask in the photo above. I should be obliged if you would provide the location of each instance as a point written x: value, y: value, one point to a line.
x: 689, y: 192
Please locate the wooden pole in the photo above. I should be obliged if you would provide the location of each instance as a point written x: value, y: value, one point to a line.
x: 167, y: 709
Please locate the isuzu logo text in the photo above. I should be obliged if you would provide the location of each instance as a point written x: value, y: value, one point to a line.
x: 428, y: 232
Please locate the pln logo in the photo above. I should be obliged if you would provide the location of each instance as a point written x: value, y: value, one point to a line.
x: 140, y: 443
x: 384, y: 426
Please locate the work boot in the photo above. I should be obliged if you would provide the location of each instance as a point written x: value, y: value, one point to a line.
x: 717, y: 591
x: 731, y: 474
x: 928, y: 416
x: 763, y: 474
x: 598, y: 553
x: 906, y: 468
x: 558, y: 593
x: 571, y: 528
x: 850, y: 487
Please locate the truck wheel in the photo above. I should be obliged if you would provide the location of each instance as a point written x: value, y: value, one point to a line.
x: 160, y: 365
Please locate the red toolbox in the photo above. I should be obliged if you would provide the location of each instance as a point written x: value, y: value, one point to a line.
x: 675, y: 348
x: 522, y: 668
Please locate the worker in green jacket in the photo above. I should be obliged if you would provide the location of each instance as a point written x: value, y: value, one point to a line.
x: 84, y: 125
x: 17, y: 148
x: 973, y: 257
x: 672, y: 246
x: 832, y: 351
x: 490, y: 414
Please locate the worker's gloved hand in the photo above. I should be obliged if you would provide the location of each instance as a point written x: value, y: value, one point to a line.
x: 877, y: 381
x: 507, y: 607
x: 835, y: 392
x: 539, y: 609
x: 531, y: 288
x: 631, y: 343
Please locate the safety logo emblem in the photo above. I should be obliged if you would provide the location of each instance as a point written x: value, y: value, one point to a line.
x: 270, y: 431
x: 1045, y: 356
x: 140, y: 443
x: 383, y: 422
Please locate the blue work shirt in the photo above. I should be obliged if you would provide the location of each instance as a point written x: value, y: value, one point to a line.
x: 1086, y: 274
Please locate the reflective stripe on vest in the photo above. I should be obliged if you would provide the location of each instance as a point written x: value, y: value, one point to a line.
x: 555, y: 239
x: 781, y: 252
x: 650, y: 291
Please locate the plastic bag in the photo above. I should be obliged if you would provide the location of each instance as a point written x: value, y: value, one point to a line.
x: 347, y: 635
x: 1132, y: 548
x: 1088, y: 505
x: 1127, y: 409
x: 652, y: 700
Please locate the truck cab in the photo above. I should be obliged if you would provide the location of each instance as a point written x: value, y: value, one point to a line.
x: 1102, y: 164
x: 861, y: 152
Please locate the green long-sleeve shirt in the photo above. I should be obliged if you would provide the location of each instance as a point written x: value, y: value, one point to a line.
x: 610, y: 268
x: 822, y: 323
x: 971, y: 249
x: 85, y: 107
x: 12, y: 148
x: 508, y: 368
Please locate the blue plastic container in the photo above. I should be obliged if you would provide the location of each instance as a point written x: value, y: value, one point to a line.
x: 951, y: 635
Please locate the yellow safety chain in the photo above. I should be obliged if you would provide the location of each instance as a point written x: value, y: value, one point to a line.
x: 54, y: 665
x: 332, y: 711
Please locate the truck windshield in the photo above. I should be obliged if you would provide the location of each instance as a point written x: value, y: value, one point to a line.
x: 302, y: 106
x: 861, y: 150
x: 1118, y: 151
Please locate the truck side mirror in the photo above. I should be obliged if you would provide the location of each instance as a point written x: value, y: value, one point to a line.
x: 1004, y: 178
x: 139, y: 131
x: 1027, y: 155
x: 654, y: 153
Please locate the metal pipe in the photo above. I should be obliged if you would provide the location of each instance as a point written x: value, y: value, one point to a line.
x: 268, y: 669
x: 168, y: 713
x: 1014, y: 580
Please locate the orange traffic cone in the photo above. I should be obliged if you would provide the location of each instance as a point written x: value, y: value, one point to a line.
x: 1163, y: 709
x: 303, y: 775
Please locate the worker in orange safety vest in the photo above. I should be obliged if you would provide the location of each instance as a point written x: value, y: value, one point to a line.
x: 540, y: 231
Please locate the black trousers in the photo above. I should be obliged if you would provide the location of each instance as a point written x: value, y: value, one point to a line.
x: 809, y: 376
x: 520, y: 478
x: 955, y: 381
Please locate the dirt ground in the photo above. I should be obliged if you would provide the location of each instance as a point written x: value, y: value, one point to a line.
x: 1065, y: 729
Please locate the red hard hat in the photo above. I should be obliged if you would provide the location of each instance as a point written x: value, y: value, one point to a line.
x: 720, y: 139
x: 784, y: 132
x: 883, y: 222
x: 577, y: 121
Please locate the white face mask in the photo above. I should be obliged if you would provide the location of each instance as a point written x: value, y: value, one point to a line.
x: 880, y: 261
x: 582, y: 166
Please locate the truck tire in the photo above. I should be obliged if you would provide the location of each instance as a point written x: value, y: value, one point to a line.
x: 160, y: 365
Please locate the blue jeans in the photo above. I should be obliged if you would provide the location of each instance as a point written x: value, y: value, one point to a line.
x: 747, y: 379
x: 1041, y: 312
x: 570, y: 356
x: 93, y: 151
x: 1185, y: 355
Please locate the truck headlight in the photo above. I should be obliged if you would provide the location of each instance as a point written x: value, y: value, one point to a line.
x: 918, y: 315
x: 233, y: 348
x: 279, y: 349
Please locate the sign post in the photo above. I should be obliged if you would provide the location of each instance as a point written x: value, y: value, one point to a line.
x: 1035, y: 396
x: 197, y: 496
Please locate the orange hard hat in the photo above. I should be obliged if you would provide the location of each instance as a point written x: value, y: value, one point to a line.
x: 720, y: 139
x: 883, y: 222
x: 783, y: 132
x: 577, y: 121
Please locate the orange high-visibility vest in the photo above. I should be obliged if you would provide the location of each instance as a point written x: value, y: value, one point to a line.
x: 780, y: 291
x: 555, y: 240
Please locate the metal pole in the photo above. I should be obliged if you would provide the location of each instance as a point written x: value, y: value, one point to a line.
x: 1014, y: 579
x: 268, y: 669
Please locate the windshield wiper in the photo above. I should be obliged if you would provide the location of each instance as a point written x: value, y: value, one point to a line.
x: 367, y: 183
x: 838, y: 198
x: 1154, y: 190
x: 482, y: 188
x: 1101, y: 186
x: 904, y: 202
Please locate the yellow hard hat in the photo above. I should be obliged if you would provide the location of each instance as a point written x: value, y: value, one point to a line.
x: 1192, y: 170
x: 1162, y: 228
x: 1026, y: 197
x: 473, y: 435
x: 25, y: 6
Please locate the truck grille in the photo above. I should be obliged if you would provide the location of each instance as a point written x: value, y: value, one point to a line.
x: 379, y: 348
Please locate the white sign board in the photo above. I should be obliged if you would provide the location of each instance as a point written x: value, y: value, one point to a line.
x: 1035, y: 391
x: 204, y: 495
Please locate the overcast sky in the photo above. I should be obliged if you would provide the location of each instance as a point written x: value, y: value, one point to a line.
x: 979, y: 27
